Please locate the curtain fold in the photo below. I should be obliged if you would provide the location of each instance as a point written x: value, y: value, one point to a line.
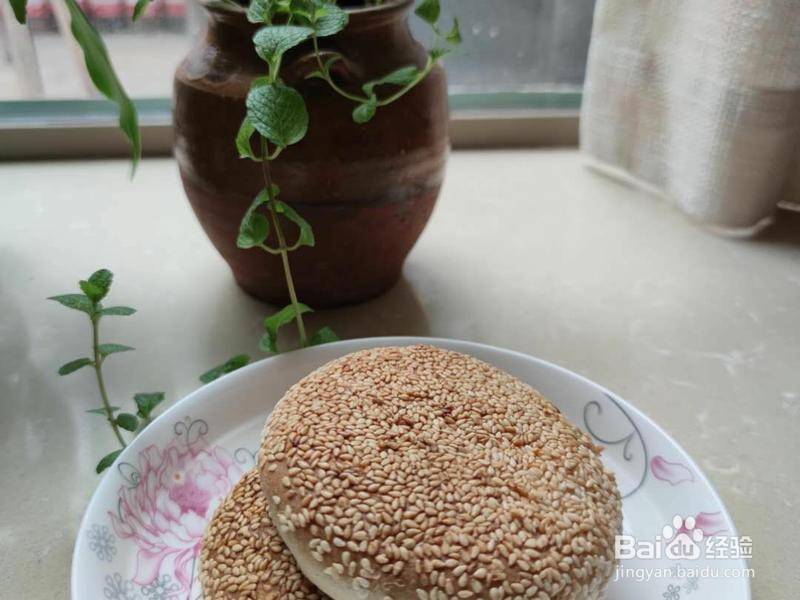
x: 699, y: 99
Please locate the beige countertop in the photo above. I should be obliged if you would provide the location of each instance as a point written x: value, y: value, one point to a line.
x: 527, y: 250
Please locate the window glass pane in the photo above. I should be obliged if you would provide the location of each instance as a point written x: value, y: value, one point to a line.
x: 144, y: 53
x: 509, y: 46
x: 518, y: 45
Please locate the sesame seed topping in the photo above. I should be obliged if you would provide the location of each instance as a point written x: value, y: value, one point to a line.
x: 420, y: 473
x: 243, y: 557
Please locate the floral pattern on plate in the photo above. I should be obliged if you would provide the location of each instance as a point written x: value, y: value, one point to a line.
x: 169, y: 496
x: 141, y: 535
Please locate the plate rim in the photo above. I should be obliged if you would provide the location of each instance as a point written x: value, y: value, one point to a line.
x: 180, y: 406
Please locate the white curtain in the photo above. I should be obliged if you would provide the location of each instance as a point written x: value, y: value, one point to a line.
x: 700, y: 101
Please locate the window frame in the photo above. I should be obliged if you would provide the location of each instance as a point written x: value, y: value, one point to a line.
x: 54, y: 129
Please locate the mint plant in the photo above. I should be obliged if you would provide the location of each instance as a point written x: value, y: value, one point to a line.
x: 94, y: 290
x: 278, y: 118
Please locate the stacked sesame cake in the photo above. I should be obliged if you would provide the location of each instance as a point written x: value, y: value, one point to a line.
x: 416, y: 473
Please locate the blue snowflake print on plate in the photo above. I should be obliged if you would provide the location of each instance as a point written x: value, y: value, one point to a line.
x: 162, y: 588
x: 102, y: 542
x: 117, y: 588
x: 673, y: 592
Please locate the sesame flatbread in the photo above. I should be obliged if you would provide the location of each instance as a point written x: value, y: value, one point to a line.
x: 417, y: 473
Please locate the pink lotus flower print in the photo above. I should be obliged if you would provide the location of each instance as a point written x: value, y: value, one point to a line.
x: 166, y: 513
x: 710, y: 523
x: 674, y: 473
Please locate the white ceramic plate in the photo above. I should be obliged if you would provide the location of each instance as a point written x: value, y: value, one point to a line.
x: 140, y: 536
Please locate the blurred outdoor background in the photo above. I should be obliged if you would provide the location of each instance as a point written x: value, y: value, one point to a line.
x: 509, y: 46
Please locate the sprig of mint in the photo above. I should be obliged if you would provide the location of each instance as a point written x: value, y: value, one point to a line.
x: 405, y: 78
x: 93, y: 291
x: 278, y: 117
x: 229, y: 366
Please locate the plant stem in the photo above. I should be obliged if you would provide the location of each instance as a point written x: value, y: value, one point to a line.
x: 98, y: 370
x: 330, y: 80
x: 408, y: 87
x: 282, y: 248
x: 386, y: 101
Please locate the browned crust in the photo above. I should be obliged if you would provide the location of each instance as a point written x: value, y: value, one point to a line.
x: 420, y: 473
x: 243, y: 557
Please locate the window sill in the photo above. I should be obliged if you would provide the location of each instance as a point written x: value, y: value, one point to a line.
x: 88, y: 128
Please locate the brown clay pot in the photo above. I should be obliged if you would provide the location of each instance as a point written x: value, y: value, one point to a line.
x: 367, y: 190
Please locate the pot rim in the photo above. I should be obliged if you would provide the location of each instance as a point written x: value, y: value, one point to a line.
x: 357, y: 13
x: 386, y: 6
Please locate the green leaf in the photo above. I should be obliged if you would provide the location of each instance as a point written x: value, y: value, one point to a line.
x: 269, y: 343
x: 402, y: 77
x: 74, y: 365
x: 243, y: 136
x: 75, y: 302
x: 102, y: 280
x: 127, y: 421
x: 329, y: 20
x: 326, y: 67
x: 139, y: 8
x: 103, y: 76
x: 278, y: 113
x: 19, y: 7
x: 454, y: 35
x: 273, y: 41
x: 262, y: 198
x: 119, y: 311
x: 306, y: 236
x: 106, y: 349
x: 146, y: 402
x: 306, y: 9
x: 325, y: 335
x: 254, y: 228
x: 260, y: 11
x: 266, y: 344
x: 102, y: 411
x: 107, y: 461
x: 437, y: 53
x: 95, y: 293
x: 429, y: 10
x: 230, y: 365
x: 253, y: 231
x: 364, y: 112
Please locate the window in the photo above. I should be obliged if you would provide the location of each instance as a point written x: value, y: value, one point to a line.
x: 144, y: 53
x: 519, y: 45
x: 517, y: 54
